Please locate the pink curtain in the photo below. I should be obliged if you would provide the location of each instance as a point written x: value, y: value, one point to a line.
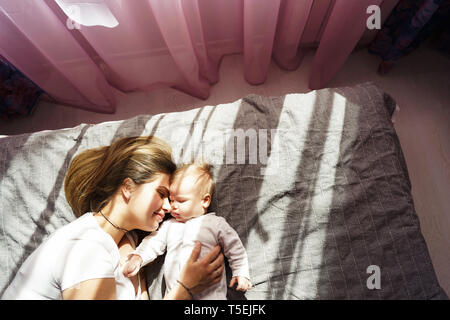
x: 78, y: 51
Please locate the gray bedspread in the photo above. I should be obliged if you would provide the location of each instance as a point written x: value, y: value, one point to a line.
x: 315, y: 185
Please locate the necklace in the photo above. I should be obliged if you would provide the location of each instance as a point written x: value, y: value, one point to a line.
x: 118, y: 228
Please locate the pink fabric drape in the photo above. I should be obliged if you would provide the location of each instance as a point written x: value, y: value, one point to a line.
x: 145, y: 44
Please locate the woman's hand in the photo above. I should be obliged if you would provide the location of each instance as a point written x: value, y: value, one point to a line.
x: 201, y: 274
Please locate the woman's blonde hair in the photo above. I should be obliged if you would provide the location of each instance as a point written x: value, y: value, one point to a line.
x: 96, y: 174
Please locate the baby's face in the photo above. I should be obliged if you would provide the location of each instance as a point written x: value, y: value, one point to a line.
x: 185, y: 198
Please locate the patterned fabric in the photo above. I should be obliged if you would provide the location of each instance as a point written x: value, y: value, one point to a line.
x: 320, y: 196
x: 18, y: 94
x: 409, y: 24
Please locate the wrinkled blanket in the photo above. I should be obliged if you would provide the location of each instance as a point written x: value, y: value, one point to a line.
x: 315, y: 184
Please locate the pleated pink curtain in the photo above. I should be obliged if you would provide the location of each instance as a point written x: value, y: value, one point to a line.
x: 146, y: 44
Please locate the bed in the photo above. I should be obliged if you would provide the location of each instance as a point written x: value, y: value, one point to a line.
x: 315, y: 184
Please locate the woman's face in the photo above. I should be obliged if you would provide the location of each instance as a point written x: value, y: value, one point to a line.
x: 149, y: 203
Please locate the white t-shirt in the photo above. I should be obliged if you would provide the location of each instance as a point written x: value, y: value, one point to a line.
x: 179, y: 239
x: 75, y: 253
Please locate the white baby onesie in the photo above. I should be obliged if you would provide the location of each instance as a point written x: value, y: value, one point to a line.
x: 179, y: 239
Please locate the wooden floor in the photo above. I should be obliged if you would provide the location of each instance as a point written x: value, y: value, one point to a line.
x: 420, y: 83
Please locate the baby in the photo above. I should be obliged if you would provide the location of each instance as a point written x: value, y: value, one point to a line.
x: 191, y: 189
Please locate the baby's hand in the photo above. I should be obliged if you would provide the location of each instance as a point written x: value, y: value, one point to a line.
x: 132, y: 266
x: 243, y: 283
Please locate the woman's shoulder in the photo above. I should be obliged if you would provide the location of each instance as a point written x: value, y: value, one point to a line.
x: 84, y: 229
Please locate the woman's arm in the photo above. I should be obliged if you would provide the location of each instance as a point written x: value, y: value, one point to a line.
x: 95, y: 289
x: 125, y: 248
x: 198, y: 275
x: 144, y: 292
x: 88, y: 272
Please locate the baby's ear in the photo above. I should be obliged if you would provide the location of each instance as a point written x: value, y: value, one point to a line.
x: 206, y: 201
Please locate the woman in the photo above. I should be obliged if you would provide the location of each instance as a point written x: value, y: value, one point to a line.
x: 112, y: 190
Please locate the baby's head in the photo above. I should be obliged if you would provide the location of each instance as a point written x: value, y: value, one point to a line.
x: 191, y: 189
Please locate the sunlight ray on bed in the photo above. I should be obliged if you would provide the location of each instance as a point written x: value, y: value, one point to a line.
x: 283, y: 152
x: 323, y: 195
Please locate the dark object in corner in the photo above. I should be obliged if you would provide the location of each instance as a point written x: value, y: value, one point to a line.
x: 18, y: 94
x: 411, y: 23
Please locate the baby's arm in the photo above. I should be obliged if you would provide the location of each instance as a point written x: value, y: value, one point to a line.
x: 243, y: 283
x: 150, y: 248
x: 132, y: 265
x: 235, y: 252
